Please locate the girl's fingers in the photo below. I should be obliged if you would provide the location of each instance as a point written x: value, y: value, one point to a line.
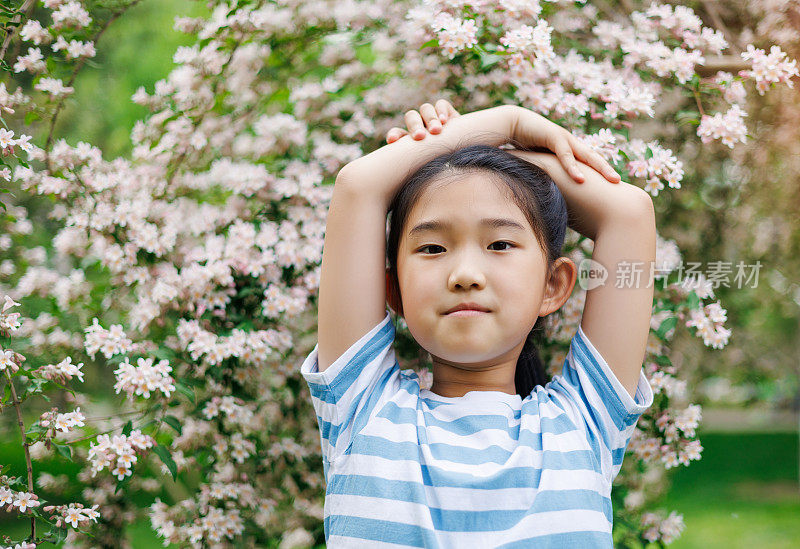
x: 564, y: 153
x: 585, y: 153
x: 430, y: 117
x: 394, y: 134
x: 445, y: 110
x: 453, y: 112
x: 415, y: 125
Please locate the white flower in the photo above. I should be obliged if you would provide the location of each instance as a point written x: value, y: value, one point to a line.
x: 25, y: 500
x: 7, y: 360
x: 6, y: 496
x: 6, y: 138
x: 73, y: 515
x: 8, y: 302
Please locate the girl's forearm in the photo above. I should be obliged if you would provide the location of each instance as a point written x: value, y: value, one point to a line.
x: 595, y: 203
x: 381, y: 172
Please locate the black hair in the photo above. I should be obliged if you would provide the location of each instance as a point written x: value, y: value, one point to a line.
x: 533, y: 191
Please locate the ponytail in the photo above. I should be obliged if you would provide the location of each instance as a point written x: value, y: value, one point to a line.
x: 530, y: 370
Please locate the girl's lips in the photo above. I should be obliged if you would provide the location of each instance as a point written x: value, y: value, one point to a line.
x: 467, y: 312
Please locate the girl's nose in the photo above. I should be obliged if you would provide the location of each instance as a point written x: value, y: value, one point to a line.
x: 466, y: 275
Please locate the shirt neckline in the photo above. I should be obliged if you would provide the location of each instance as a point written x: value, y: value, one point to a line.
x: 473, y: 396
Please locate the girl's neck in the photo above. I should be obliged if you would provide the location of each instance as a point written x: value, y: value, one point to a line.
x: 451, y: 381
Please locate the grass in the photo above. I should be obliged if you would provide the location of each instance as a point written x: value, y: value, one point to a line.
x: 744, y: 492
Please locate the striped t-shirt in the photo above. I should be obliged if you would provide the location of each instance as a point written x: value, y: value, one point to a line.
x: 407, y: 467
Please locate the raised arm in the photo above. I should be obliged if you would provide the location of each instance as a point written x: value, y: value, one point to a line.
x: 621, y: 221
x: 352, y: 293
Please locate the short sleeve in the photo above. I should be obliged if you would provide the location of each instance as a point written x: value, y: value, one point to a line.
x: 594, y: 395
x: 346, y: 393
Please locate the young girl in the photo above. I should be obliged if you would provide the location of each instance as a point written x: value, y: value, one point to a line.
x: 488, y: 456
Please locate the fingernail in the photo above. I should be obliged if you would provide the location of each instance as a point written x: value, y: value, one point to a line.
x: 435, y: 126
x: 419, y: 134
x: 442, y: 117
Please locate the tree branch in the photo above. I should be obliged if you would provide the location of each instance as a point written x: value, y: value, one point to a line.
x: 27, y: 6
x: 729, y: 63
x: 24, y: 447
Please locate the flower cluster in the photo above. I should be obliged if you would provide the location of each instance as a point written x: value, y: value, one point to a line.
x: 61, y: 372
x: 527, y: 39
x: 21, y: 501
x: 213, y: 524
x: 708, y: 321
x: 74, y: 514
x: 454, y: 34
x: 120, y: 452
x: 769, y: 69
x: 62, y: 422
x: 9, y: 322
x: 660, y: 165
x: 728, y: 127
x: 144, y: 377
x: 9, y: 360
x: 109, y: 342
x: 659, y: 528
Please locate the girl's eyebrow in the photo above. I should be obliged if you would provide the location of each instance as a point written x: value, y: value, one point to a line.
x: 493, y: 222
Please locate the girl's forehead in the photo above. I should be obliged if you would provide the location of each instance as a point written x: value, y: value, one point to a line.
x: 465, y: 199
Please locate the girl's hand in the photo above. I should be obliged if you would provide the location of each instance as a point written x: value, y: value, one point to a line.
x: 534, y: 130
x: 531, y: 129
x: 427, y: 119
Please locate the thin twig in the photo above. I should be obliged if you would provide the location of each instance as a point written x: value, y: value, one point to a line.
x: 24, y: 447
x: 10, y: 35
x: 112, y: 417
x: 711, y: 9
x: 699, y: 105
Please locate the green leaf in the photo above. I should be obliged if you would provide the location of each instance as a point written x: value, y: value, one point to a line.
x: 63, y: 449
x: 687, y: 117
x: 59, y: 535
x: 173, y: 422
x: 433, y: 42
x: 164, y: 353
x: 489, y: 59
x: 165, y: 456
x: 692, y: 301
x: 128, y: 427
x: 35, y: 428
x: 185, y: 390
x: 666, y: 325
x: 662, y: 360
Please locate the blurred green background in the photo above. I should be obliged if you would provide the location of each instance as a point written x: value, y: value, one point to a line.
x: 744, y: 492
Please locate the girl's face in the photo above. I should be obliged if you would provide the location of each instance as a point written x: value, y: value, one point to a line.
x: 450, y: 253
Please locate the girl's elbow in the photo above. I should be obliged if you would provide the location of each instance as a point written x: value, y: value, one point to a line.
x: 638, y: 207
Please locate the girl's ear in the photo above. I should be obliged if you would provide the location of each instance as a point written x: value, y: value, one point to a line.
x: 559, y: 286
x: 391, y: 296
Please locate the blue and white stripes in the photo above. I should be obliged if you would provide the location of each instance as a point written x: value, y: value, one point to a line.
x: 406, y: 467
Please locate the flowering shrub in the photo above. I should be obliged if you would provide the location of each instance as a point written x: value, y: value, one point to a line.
x: 205, y: 245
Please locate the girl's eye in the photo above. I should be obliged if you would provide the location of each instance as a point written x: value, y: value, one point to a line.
x: 509, y: 244
x: 429, y: 246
